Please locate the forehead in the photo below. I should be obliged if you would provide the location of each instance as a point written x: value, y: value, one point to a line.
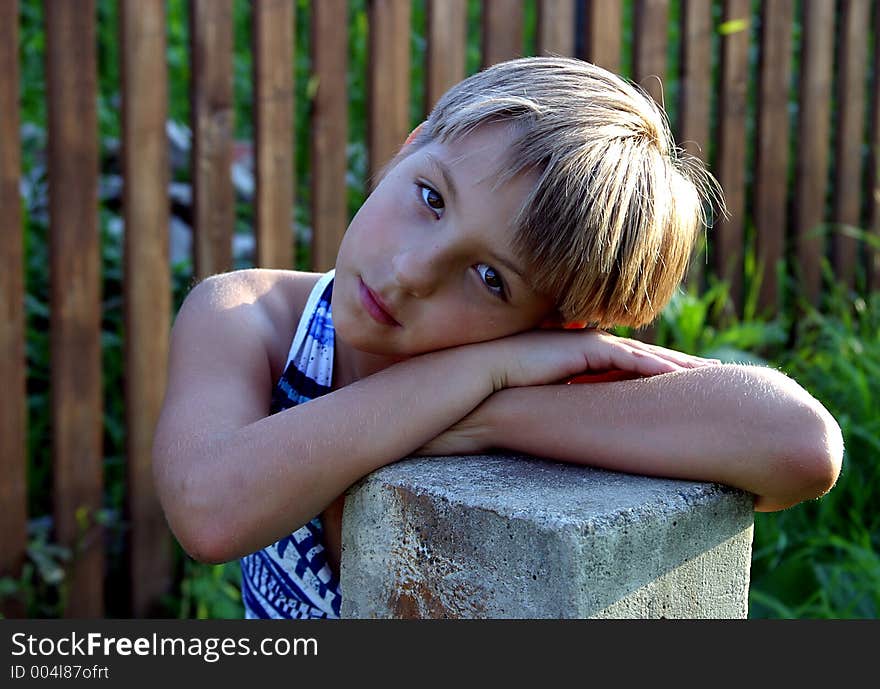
x: 480, y: 155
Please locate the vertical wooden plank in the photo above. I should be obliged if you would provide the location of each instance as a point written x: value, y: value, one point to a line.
x: 13, y: 411
x: 852, y: 63
x: 649, y: 46
x: 211, y: 32
x: 556, y: 26
x: 387, y: 82
x: 329, y: 131
x: 771, y: 159
x: 502, y: 30
x: 812, y: 136
x: 147, y: 290
x: 447, y: 48
x: 273, y: 136
x: 602, y: 27
x: 728, y: 239
x: 649, y: 70
x: 695, y: 97
x: 872, y: 255
x: 75, y: 321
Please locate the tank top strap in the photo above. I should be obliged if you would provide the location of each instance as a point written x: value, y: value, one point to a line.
x: 308, y: 372
x: 306, y: 321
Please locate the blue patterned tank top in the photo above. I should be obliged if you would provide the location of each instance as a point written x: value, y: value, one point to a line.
x: 292, y: 578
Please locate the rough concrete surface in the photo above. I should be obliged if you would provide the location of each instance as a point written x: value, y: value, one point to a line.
x: 506, y: 536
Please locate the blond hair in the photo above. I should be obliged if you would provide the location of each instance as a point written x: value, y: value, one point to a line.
x: 610, y: 226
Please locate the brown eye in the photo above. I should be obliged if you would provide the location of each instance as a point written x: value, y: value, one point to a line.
x: 432, y: 199
x: 491, y: 279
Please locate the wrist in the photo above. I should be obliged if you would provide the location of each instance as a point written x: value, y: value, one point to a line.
x: 492, y: 420
x: 488, y: 360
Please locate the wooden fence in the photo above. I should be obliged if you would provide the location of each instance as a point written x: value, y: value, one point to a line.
x: 803, y: 71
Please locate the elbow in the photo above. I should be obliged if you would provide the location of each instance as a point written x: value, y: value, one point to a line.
x: 805, y: 444
x: 197, y: 545
x: 809, y: 465
x: 187, y: 516
x: 199, y: 542
x: 825, y: 452
x: 205, y: 552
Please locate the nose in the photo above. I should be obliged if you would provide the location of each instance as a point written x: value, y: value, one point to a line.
x: 418, y: 270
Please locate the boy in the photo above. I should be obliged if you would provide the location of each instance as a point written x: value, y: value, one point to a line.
x: 542, y: 191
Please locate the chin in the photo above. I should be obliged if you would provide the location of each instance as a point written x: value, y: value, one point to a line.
x: 355, y: 336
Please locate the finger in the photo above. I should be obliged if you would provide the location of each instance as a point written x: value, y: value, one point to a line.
x: 681, y: 358
x: 644, y: 361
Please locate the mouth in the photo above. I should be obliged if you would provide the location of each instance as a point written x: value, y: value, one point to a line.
x: 375, y: 307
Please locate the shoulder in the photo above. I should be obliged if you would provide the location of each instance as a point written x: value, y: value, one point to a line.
x: 266, y: 302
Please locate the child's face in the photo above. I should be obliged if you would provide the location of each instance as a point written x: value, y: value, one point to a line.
x: 437, y: 251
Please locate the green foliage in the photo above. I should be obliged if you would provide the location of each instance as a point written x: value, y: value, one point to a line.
x: 822, y: 559
x: 207, y: 592
x: 689, y: 323
x: 41, y: 586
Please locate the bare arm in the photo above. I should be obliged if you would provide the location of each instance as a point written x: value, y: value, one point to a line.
x: 744, y: 426
x: 232, y: 479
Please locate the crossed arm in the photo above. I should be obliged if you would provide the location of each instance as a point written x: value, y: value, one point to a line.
x: 746, y: 426
x: 232, y: 478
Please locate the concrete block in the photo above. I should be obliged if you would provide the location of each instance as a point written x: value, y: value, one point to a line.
x: 508, y: 536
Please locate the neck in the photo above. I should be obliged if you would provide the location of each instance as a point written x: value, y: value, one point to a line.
x: 350, y: 364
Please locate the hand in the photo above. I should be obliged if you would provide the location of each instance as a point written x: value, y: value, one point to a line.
x: 548, y: 356
x: 468, y: 436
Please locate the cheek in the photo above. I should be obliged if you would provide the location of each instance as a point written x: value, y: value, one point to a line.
x: 377, y: 221
x: 459, y: 326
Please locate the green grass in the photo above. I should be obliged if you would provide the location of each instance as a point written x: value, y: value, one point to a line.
x: 822, y: 559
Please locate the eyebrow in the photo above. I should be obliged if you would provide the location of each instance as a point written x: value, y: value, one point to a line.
x: 510, y: 265
x: 449, y: 183
x: 445, y: 173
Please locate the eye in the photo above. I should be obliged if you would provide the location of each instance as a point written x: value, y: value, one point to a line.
x: 492, y: 279
x: 432, y: 199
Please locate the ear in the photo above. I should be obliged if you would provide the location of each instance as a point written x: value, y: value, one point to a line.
x: 555, y: 322
x: 412, y: 135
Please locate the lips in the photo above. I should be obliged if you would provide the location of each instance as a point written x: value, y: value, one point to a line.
x: 375, y: 307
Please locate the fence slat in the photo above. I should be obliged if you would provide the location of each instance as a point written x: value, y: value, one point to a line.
x: 447, y: 48
x: 13, y: 411
x: 502, y: 30
x: 273, y: 132
x: 147, y: 288
x: 872, y: 255
x: 771, y: 146
x: 329, y: 128
x: 812, y: 136
x: 695, y: 98
x: 649, y: 71
x: 213, y: 132
x: 602, y: 29
x: 388, y: 82
x: 75, y: 320
x: 556, y: 26
x: 728, y: 239
x: 849, y: 132
x: 695, y: 93
x: 649, y: 46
